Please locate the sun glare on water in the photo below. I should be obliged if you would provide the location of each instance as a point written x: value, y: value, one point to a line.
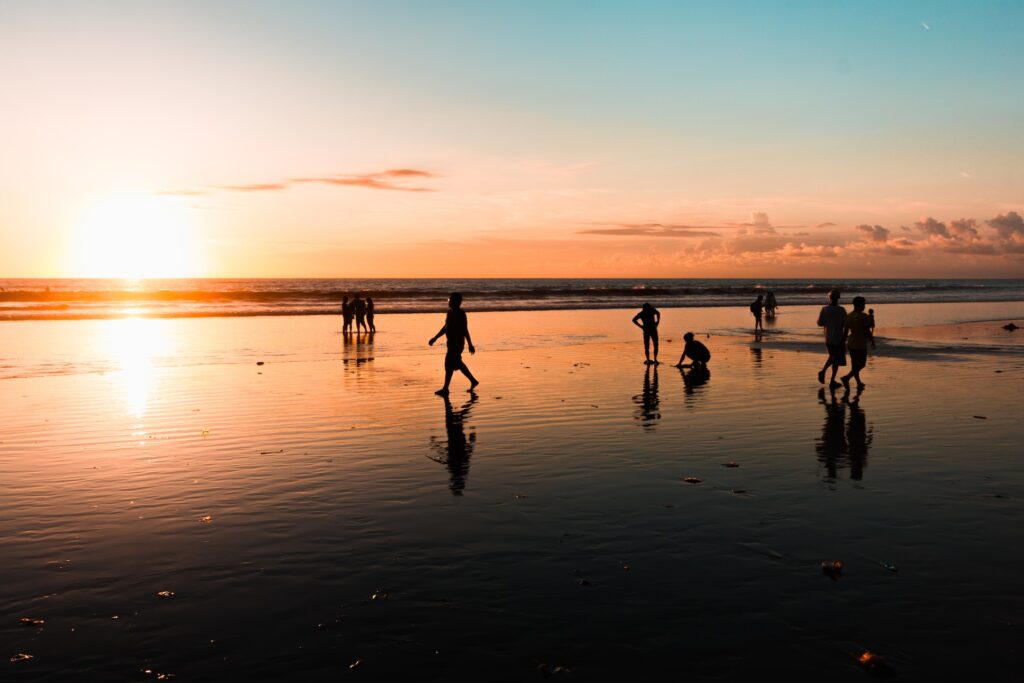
x: 134, y: 237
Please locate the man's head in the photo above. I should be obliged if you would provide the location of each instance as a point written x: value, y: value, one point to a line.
x: 760, y: 297
x: 455, y: 300
x: 688, y: 337
x: 859, y: 303
x: 647, y: 307
x: 833, y: 295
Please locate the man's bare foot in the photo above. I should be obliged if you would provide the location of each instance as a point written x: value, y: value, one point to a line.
x: 834, y: 385
x: 846, y: 383
x: 473, y: 386
x: 443, y: 391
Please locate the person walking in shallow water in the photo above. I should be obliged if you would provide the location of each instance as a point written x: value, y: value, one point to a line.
x: 833, y: 319
x: 858, y: 331
x: 456, y: 332
x: 369, y: 315
x: 757, y: 308
x: 346, y: 315
x: 647, y: 320
x: 359, y: 307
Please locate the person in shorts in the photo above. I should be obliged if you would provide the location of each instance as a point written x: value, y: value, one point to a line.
x: 456, y: 332
x: 757, y: 309
x: 832, y: 319
x: 858, y: 334
x: 648, y: 320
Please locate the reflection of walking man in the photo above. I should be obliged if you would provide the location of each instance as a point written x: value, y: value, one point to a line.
x: 833, y: 319
x: 456, y: 331
x: 458, y: 449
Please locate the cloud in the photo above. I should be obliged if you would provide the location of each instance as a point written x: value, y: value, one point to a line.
x: 824, y: 225
x: 963, y: 226
x: 1009, y: 225
x: 930, y: 226
x: 255, y: 187
x: 875, y: 233
x: 390, y: 179
x: 653, y: 230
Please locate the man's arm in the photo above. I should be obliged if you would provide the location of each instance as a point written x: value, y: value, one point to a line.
x: 657, y: 317
x: 469, y: 342
x: 438, y: 335
x: 821, y: 318
x: 636, y: 319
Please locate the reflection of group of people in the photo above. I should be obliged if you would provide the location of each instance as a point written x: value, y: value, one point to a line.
x: 360, y: 311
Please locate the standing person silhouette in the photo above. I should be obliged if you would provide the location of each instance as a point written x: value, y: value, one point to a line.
x: 359, y: 306
x: 456, y: 332
x: 833, y: 319
x: 369, y: 315
x: 757, y: 309
x: 346, y: 315
x: 858, y: 330
x: 647, y: 320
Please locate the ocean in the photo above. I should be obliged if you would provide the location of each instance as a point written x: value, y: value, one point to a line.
x: 68, y: 299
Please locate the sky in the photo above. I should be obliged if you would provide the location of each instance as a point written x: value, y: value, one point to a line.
x: 554, y: 138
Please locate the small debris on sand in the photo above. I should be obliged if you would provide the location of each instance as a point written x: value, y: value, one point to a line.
x: 583, y: 582
x: 356, y: 664
x: 980, y: 417
x: 205, y: 520
x: 379, y: 595
x: 166, y: 594
x: 1010, y: 327
x: 730, y: 464
x: 21, y: 657
x: 873, y: 662
x: 834, y: 568
x: 28, y: 621
x: 692, y: 480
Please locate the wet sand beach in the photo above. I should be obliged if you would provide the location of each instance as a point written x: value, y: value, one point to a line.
x: 171, y: 506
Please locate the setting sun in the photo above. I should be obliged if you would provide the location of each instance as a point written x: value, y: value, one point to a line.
x: 135, y: 236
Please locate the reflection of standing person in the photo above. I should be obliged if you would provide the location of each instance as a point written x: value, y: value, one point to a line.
x: 456, y: 332
x: 648, y: 320
x: 756, y: 309
x: 858, y: 329
x: 458, y: 449
x: 359, y: 306
x: 833, y: 319
x: 346, y: 315
x: 648, y: 402
x: 698, y: 353
x: 369, y: 315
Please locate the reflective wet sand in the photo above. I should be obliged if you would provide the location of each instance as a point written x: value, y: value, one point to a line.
x: 325, y: 508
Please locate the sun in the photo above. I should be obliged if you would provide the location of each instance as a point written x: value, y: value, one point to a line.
x: 135, y: 236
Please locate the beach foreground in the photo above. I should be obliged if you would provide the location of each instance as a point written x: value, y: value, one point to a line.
x: 173, y: 507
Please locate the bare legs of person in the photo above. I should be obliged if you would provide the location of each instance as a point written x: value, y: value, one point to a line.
x: 651, y: 338
x: 449, y: 370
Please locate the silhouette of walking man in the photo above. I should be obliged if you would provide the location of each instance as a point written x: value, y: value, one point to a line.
x: 757, y: 308
x: 346, y: 315
x: 456, y: 332
x: 647, y: 320
x: 833, y: 319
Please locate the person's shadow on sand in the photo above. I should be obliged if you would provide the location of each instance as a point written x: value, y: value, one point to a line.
x: 456, y: 449
x: 843, y: 443
x: 648, y: 403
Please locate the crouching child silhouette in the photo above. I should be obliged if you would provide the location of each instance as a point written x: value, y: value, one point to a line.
x: 698, y: 353
x: 456, y: 331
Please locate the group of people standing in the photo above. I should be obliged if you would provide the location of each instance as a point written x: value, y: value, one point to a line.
x: 359, y: 310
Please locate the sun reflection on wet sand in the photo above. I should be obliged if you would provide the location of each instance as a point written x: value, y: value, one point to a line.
x: 133, y: 345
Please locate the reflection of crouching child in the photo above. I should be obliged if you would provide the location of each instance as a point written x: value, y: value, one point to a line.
x: 698, y: 353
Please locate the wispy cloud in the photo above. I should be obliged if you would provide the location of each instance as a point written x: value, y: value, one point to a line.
x: 652, y: 230
x: 391, y: 179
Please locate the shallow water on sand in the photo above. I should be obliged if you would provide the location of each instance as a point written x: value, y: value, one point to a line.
x: 325, y: 508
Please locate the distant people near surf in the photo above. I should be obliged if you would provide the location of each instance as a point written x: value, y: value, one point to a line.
x: 770, y: 305
x: 347, y: 314
x: 756, y: 309
x: 456, y: 332
x: 369, y: 315
x: 648, y: 320
x: 698, y: 354
x: 359, y: 307
x: 832, y: 319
